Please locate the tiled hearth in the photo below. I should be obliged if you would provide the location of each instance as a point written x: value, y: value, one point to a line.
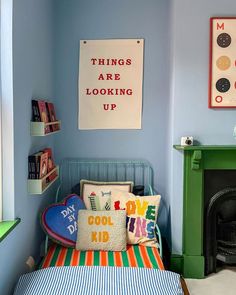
x: 197, y: 161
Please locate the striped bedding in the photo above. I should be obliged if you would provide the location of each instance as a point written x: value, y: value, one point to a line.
x: 135, y: 256
x: 99, y: 280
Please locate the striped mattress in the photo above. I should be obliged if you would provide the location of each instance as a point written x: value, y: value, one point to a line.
x: 99, y: 280
x: 135, y: 256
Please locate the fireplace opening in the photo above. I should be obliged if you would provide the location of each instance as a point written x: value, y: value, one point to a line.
x: 219, y: 219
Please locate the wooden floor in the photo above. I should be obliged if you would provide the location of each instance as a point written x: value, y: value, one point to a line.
x: 184, y: 286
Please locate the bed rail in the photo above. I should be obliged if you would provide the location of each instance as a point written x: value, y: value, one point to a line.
x: 73, y: 170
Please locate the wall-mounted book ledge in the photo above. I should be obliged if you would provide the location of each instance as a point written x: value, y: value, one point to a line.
x: 39, y: 186
x: 43, y: 129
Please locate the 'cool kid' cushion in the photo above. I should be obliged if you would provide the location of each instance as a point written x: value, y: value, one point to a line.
x: 101, y: 230
x: 141, y: 216
x: 60, y: 220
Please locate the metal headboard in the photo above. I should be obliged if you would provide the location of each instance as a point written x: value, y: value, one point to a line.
x: 73, y: 170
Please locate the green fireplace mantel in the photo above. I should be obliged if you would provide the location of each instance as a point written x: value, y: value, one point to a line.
x: 197, y: 159
x: 205, y: 147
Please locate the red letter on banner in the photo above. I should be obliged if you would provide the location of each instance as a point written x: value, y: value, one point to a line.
x: 101, y: 77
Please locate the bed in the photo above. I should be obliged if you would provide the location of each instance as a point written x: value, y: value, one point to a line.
x: 139, y: 270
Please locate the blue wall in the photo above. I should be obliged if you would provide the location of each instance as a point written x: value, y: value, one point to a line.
x: 190, y: 114
x: 33, y: 77
x: 46, y: 51
x: 175, y: 95
x: 105, y: 19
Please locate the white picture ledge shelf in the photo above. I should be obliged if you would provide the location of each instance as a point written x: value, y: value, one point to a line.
x: 39, y: 186
x: 38, y: 128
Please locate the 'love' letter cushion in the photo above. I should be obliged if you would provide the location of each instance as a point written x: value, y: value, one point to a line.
x: 59, y: 220
x: 141, y: 216
x: 101, y: 230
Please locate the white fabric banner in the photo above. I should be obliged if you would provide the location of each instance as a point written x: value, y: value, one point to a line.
x: 110, y: 84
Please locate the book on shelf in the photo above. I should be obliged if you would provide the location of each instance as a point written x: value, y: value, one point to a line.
x: 44, y: 111
x: 34, y: 165
x: 43, y: 164
x: 40, y: 164
x: 52, y: 116
x: 50, y: 127
x: 31, y: 167
x: 44, y: 114
x: 35, y: 111
x: 51, y: 165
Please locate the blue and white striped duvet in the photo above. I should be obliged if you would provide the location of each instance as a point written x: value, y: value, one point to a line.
x: 86, y: 280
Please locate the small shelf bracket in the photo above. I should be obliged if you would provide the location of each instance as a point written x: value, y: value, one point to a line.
x: 196, y: 160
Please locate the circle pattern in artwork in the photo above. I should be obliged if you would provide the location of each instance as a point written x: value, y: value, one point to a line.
x: 218, y: 99
x: 224, y: 40
x: 223, y: 85
x: 223, y: 62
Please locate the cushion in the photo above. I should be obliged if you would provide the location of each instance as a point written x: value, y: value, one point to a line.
x: 97, y: 195
x: 101, y: 230
x: 59, y: 220
x: 141, y: 216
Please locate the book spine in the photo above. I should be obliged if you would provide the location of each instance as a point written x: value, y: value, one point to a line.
x: 51, y: 113
x: 51, y: 164
x: 35, y: 111
x: 43, y: 164
x: 32, y: 167
x: 29, y: 170
x: 51, y: 127
x: 37, y: 167
x: 43, y: 114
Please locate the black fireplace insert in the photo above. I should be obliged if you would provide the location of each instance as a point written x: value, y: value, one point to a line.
x: 220, y: 224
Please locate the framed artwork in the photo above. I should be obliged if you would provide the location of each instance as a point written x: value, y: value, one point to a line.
x: 222, y: 68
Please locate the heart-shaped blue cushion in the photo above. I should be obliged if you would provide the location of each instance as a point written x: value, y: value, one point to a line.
x: 60, y: 220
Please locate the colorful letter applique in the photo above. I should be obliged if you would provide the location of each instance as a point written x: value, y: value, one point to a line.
x: 141, y: 216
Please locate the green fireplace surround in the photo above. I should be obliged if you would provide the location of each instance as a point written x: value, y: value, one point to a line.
x: 196, y: 160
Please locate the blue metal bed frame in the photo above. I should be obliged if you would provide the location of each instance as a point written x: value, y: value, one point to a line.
x: 72, y: 170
